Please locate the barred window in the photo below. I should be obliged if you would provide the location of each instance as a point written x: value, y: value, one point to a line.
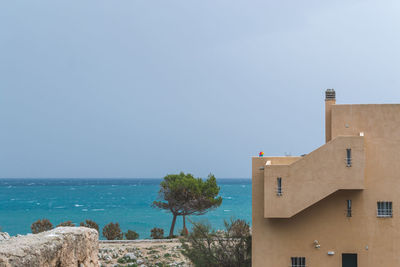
x: 279, y: 186
x: 348, y: 158
x: 385, y: 209
x: 298, y: 262
x: 349, y: 208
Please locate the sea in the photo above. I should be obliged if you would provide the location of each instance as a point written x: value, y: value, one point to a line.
x: 126, y: 201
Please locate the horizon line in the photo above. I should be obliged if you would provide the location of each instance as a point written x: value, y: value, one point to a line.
x: 108, y: 177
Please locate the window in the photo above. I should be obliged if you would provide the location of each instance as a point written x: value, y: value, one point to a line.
x: 348, y: 158
x: 348, y: 208
x: 298, y: 262
x: 279, y: 186
x: 384, y: 209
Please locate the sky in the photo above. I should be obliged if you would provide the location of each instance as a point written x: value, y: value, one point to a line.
x: 143, y: 88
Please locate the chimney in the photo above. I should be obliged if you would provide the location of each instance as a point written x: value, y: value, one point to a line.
x: 330, y: 99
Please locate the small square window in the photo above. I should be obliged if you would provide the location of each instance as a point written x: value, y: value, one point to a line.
x: 298, y: 262
x: 385, y: 209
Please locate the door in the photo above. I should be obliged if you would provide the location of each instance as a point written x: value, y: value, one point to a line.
x: 349, y: 260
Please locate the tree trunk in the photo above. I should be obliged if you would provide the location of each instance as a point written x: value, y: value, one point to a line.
x: 171, y: 231
x: 185, y: 231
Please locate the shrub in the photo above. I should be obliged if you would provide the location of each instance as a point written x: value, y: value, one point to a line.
x: 127, y: 259
x: 112, y: 231
x: 131, y: 235
x: 41, y: 226
x: 90, y: 224
x: 207, y: 247
x: 238, y: 228
x: 184, y: 232
x: 157, y: 233
x: 67, y: 223
x: 200, y: 228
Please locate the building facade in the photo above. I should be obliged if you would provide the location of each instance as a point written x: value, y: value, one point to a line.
x: 338, y: 206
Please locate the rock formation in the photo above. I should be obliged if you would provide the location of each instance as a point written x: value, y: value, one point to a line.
x: 4, y: 236
x: 60, y: 247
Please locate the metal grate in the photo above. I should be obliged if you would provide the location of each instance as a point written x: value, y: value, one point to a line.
x: 349, y: 208
x: 330, y: 94
x: 279, y: 186
x: 348, y: 158
x: 385, y: 209
x: 298, y: 262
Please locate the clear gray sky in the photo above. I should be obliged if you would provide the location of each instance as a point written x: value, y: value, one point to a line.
x: 144, y: 88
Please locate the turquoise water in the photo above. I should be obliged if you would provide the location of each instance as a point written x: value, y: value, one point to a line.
x: 127, y: 201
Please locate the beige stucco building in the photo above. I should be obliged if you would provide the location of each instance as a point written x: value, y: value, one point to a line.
x: 338, y: 206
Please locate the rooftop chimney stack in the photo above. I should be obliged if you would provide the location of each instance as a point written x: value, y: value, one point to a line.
x: 330, y: 99
x: 330, y: 94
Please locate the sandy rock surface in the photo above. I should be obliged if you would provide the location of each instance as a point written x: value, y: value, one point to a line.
x: 4, y: 236
x: 60, y: 247
x: 142, y: 254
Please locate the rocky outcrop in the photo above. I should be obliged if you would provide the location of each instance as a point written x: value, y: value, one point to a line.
x: 142, y: 253
x: 60, y: 247
x: 4, y: 236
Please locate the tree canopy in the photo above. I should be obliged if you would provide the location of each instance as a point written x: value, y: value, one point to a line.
x: 183, y: 194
